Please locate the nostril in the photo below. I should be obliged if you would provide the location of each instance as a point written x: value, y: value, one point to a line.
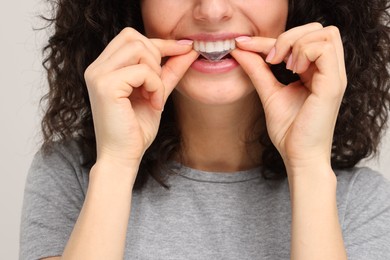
x: 213, y: 11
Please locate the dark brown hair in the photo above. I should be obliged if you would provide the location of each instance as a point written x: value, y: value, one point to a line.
x: 82, y: 29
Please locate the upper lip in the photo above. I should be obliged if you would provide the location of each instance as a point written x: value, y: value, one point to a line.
x: 214, y: 36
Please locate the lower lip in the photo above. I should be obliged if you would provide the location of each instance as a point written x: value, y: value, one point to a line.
x: 222, y: 66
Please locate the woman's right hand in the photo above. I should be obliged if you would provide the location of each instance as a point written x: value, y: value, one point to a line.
x: 128, y: 88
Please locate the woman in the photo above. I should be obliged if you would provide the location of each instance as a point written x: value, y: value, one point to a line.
x: 222, y: 134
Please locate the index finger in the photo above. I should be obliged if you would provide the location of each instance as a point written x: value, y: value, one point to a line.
x: 126, y: 36
x: 255, y: 44
x: 172, y: 47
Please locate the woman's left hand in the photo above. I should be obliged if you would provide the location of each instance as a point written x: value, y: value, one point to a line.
x: 300, y: 116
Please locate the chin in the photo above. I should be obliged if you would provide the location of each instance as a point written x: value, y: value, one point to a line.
x: 216, y: 89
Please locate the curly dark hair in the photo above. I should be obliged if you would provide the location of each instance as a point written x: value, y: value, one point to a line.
x: 82, y: 29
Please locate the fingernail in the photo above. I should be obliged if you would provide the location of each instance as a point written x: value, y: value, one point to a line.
x: 185, y: 42
x: 243, y: 39
x: 271, y: 55
x: 289, y: 62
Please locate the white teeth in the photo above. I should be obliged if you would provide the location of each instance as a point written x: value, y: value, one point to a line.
x: 232, y: 45
x: 210, y: 47
x: 217, y: 46
x: 196, y: 45
x: 202, y: 47
x: 216, y: 50
x: 226, y: 45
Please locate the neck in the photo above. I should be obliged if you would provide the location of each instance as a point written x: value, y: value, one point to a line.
x: 220, y: 137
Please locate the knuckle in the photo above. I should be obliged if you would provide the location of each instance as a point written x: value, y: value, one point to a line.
x: 283, y: 37
x: 94, y: 80
x: 284, y: 40
x: 299, y: 45
x: 128, y: 33
x: 334, y: 32
x: 89, y: 74
x: 317, y: 25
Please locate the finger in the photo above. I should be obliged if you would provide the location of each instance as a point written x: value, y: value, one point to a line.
x: 255, y: 44
x: 127, y: 79
x: 174, y: 69
x: 322, y: 55
x: 125, y: 37
x: 172, y: 47
x: 261, y: 45
x: 319, y: 53
x: 259, y: 72
x: 329, y: 34
x: 135, y: 52
x: 287, y: 39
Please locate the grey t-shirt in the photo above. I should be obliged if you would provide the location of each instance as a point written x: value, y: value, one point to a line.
x: 204, y: 215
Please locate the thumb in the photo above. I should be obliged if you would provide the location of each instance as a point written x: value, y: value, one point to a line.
x: 174, y: 69
x: 259, y: 72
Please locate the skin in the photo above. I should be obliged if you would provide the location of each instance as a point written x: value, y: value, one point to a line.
x: 216, y: 101
x: 213, y: 17
x: 128, y: 87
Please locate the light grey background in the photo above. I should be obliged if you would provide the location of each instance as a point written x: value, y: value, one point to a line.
x: 22, y: 84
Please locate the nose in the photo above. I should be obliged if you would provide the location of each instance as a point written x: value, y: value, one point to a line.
x: 213, y: 11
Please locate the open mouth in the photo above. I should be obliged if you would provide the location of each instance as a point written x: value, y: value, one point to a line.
x: 215, y: 50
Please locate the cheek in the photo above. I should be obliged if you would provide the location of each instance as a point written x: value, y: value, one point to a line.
x: 271, y: 22
x: 158, y: 19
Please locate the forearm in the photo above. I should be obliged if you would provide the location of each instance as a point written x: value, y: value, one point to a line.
x: 100, y: 231
x: 315, y: 230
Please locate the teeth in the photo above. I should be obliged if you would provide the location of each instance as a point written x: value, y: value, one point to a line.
x: 218, y: 46
x: 214, y: 51
x: 226, y: 45
x: 202, y: 47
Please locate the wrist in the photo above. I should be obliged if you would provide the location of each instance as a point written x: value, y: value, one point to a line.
x: 309, y: 167
x: 116, y: 172
x: 320, y: 170
x: 315, y: 179
x: 118, y: 161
